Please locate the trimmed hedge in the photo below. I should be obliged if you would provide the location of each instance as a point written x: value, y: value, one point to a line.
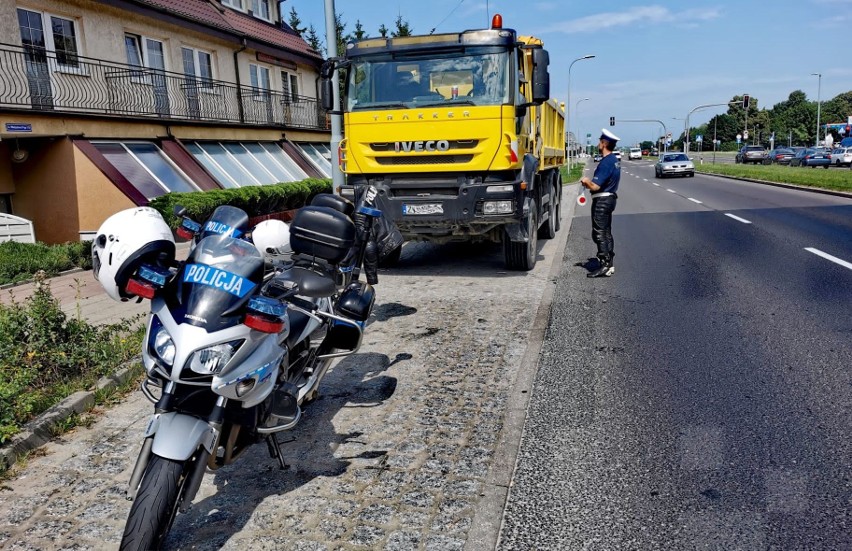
x: 255, y: 200
x: 19, y: 261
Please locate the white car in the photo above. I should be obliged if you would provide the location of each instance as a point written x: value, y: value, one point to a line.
x: 842, y: 156
x: 617, y: 154
x: 635, y: 153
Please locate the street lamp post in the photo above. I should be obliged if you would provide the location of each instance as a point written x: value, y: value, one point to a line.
x: 568, y: 104
x: 819, y: 103
x: 679, y: 119
x: 576, y: 110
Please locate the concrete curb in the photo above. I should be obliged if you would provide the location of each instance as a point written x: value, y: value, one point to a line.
x: 26, y: 281
x: 488, y: 518
x: 39, y: 431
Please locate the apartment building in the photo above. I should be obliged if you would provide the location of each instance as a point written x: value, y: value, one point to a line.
x: 107, y: 104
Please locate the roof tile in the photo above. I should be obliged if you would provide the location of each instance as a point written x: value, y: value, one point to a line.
x: 209, y: 12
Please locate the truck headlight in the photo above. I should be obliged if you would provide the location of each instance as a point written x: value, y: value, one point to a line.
x: 507, y: 188
x: 498, y: 207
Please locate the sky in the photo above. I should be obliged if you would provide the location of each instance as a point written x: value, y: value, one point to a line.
x: 653, y: 60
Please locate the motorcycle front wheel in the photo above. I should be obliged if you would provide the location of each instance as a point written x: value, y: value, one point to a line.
x: 155, y: 506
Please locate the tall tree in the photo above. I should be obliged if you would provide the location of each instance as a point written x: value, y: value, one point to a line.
x: 313, y: 39
x: 360, y: 33
x: 295, y: 23
x: 402, y: 27
x: 383, y: 31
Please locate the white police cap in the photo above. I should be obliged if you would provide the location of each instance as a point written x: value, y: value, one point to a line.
x: 607, y: 135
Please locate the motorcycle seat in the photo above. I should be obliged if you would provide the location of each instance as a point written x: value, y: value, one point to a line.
x: 310, y: 283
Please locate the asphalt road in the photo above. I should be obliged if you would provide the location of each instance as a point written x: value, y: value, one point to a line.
x: 700, y: 398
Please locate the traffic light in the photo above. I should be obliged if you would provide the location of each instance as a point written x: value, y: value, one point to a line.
x: 745, y: 101
x: 612, y: 121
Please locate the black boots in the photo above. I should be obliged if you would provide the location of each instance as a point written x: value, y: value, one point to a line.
x: 605, y: 269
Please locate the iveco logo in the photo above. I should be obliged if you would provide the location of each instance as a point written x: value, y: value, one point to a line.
x: 430, y: 145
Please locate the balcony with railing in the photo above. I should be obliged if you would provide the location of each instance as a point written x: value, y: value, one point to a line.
x: 39, y: 80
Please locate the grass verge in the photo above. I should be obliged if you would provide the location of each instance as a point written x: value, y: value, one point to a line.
x: 833, y: 178
x: 45, y: 356
x: 573, y: 176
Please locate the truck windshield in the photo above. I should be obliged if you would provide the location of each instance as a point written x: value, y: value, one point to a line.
x: 470, y: 77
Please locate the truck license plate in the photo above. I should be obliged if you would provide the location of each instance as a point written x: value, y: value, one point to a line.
x: 427, y: 208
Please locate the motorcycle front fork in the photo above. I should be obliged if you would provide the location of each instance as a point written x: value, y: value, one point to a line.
x: 198, y: 466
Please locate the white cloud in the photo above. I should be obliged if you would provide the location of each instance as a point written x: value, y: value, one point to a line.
x: 642, y: 14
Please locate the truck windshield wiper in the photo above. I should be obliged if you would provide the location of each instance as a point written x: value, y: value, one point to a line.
x: 379, y: 104
x: 447, y: 103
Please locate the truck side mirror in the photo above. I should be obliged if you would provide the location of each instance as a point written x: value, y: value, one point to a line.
x: 541, y: 76
x: 327, y: 93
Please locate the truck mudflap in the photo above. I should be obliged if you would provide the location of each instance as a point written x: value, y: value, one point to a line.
x: 518, y: 230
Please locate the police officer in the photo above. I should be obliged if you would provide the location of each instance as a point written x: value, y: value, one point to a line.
x: 603, y: 186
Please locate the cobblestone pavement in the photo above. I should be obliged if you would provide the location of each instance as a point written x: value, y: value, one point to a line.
x: 394, y: 455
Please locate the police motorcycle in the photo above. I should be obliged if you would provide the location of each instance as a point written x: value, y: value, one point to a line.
x: 238, y: 339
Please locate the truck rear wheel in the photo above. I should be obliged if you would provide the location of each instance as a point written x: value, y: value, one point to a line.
x: 551, y: 225
x: 523, y: 256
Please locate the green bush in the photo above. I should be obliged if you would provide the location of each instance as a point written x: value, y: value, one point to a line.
x: 255, y: 200
x: 19, y: 261
x: 45, y: 356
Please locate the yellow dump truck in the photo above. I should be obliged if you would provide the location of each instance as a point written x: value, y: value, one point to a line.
x: 458, y: 134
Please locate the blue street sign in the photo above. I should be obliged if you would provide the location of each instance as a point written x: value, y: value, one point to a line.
x: 18, y: 127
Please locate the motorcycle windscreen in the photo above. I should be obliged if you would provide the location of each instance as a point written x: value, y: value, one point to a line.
x: 217, y: 281
x: 226, y: 220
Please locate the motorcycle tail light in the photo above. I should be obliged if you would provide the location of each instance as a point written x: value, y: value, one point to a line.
x: 141, y: 288
x: 266, y: 314
x: 188, y: 229
x: 264, y: 324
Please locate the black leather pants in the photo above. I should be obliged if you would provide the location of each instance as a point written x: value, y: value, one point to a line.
x: 602, y: 208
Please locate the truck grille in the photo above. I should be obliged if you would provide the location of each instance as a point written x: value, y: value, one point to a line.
x: 454, y: 144
x: 424, y: 160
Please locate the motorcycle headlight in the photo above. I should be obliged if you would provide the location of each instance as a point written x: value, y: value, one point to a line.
x: 213, y: 358
x: 164, y: 346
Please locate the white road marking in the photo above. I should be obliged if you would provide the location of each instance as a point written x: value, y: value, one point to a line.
x: 670, y: 190
x: 695, y: 200
x: 656, y: 184
x: 737, y: 218
x: 829, y: 257
x: 646, y: 179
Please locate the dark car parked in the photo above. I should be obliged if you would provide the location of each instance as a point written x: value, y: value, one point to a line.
x: 751, y: 154
x: 812, y: 157
x: 781, y: 156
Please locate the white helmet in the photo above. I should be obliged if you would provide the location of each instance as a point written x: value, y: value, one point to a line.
x: 272, y: 238
x: 124, y: 241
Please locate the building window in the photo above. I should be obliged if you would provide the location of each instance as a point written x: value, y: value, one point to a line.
x: 144, y: 52
x: 145, y: 166
x: 237, y: 164
x: 62, y: 39
x: 319, y: 155
x: 259, y: 81
x: 236, y: 4
x: 198, y: 64
x: 65, y: 41
x: 260, y: 9
x: 290, y: 85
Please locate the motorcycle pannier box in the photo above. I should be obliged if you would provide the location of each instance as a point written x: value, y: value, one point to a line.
x: 322, y: 232
x: 333, y: 201
x: 356, y: 301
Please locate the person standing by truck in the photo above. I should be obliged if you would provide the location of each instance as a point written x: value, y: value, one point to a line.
x: 604, y: 185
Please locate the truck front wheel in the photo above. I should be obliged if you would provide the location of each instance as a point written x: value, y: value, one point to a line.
x: 522, y: 256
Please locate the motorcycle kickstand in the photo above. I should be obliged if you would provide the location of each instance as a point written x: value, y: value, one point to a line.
x: 275, y: 450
